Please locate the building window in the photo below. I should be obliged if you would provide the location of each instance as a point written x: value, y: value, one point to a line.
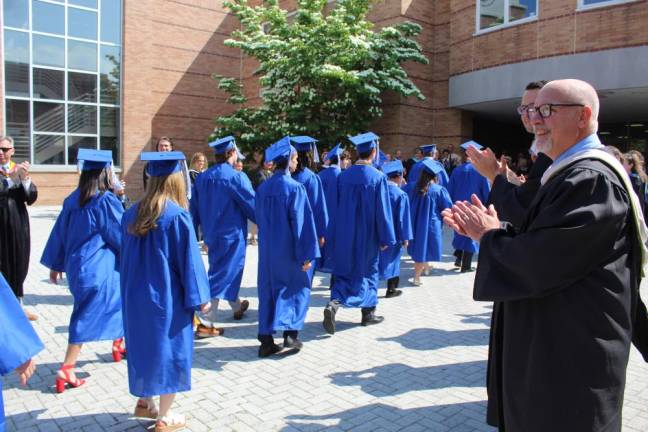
x: 495, y: 13
x: 62, y: 78
x: 595, y: 3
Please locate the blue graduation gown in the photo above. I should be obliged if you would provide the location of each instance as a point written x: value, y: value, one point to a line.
x: 85, y: 244
x: 329, y: 178
x: 415, y: 173
x: 363, y: 222
x: 287, y: 238
x: 465, y: 181
x: 222, y: 201
x: 317, y: 200
x: 17, y: 337
x: 389, y: 263
x: 163, y: 282
x: 427, y: 221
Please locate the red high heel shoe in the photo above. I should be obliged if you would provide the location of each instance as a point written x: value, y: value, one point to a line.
x: 118, y: 351
x: 60, y: 382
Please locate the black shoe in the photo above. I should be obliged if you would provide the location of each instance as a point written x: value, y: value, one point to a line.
x: 292, y: 343
x: 393, y: 293
x: 466, y: 261
x: 372, y: 319
x: 266, y: 350
x: 457, y: 262
x: 329, y: 319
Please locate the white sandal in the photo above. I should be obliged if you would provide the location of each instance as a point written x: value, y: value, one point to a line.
x: 170, y: 422
x: 416, y: 282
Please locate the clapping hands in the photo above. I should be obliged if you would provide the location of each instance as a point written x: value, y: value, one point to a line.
x: 471, y: 220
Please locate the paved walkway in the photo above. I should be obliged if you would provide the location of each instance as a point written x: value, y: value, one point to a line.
x: 423, y: 369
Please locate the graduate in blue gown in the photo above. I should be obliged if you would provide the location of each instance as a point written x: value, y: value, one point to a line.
x: 464, y: 182
x: 363, y: 225
x: 85, y: 244
x: 221, y: 204
x: 288, y: 246
x: 18, y: 340
x: 163, y: 282
x: 429, y: 152
x: 306, y: 157
x: 329, y: 177
x: 390, y: 258
x: 427, y: 199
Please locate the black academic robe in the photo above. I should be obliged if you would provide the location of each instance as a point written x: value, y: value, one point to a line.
x: 14, y: 234
x: 567, y: 286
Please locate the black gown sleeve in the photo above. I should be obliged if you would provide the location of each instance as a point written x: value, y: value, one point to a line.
x: 581, y: 210
x: 511, y: 201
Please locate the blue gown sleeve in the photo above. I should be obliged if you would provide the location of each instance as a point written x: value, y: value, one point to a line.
x: 383, y: 214
x: 443, y: 202
x: 244, y: 196
x: 17, y: 337
x: 111, y: 214
x: 303, y: 228
x: 319, y: 206
x: 54, y: 253
x: 451, y: 186
x: 405, y: 219
x: 191, y: 269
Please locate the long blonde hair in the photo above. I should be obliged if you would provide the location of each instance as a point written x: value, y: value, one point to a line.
x: 158, y: 190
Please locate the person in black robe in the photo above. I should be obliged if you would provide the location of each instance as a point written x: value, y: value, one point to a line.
x: 16, y: 193
x: 566, y: 315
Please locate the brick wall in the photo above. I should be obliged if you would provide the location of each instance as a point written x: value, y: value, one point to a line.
x: 560, y: 29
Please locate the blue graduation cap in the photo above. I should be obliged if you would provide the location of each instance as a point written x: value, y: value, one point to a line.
x: 279, y: 150
x: 162, y: 163
x: 432, y: 166
x: 335, y: 151
x: 428, y: 148
x: 393, y: 167
x: 471, y: 143
x: 306, y: 143
x: 365, y: 142
x: 94, y: 159
x: 221, y: 145
x: 381, y: 159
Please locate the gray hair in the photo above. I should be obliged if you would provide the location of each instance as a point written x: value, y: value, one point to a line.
x: 7, y: 138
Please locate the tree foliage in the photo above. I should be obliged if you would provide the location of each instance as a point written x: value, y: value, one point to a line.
x: 322, y: 71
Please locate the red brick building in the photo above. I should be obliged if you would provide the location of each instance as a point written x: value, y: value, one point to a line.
x: 153, y: 61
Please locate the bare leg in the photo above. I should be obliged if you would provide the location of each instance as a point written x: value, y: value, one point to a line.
x: 418, y: 269
x: 165, y: 404
x: 71, y: 356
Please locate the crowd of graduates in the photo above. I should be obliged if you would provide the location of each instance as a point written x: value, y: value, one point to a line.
x: 137, y: 277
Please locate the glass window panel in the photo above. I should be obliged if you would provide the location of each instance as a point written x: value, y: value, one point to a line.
x: 82, y: 55
x: 82, y: 87
x: 16, y: 46
x: 111, y: 24
x: 109, y: 74
x: 49, y: 84
x: 109, y: 132
x: 82, y: 119
x: 49, y: 149
x: 491, y: 13
x: 589, y: 2
x: 519, y: 9
x: 17, y: 117
x: 49, y: 117
x: 16, y: 63
x: 48, y: 17
x: 75, y: 143
x: 16, y: 13
x: 49, y: 51
x: 82, y: 23
x: 86, y: 3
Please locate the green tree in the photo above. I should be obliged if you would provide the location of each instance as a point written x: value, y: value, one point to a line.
x: 322, y: 71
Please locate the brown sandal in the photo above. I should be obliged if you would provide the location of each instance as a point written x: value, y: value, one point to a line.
x: 238, y: 315
x: 203, y: 332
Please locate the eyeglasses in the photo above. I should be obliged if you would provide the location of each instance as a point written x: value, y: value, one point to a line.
x: 545, y: 111
x: 6, y: 149
x: 523, y: 109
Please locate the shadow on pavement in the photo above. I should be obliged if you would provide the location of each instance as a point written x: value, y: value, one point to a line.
x: 466, y: 416
x: 431, y: 339
x: 99, y: 421
x: 50, y: 299
x: 482, y: 318
x: 397, y: 378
